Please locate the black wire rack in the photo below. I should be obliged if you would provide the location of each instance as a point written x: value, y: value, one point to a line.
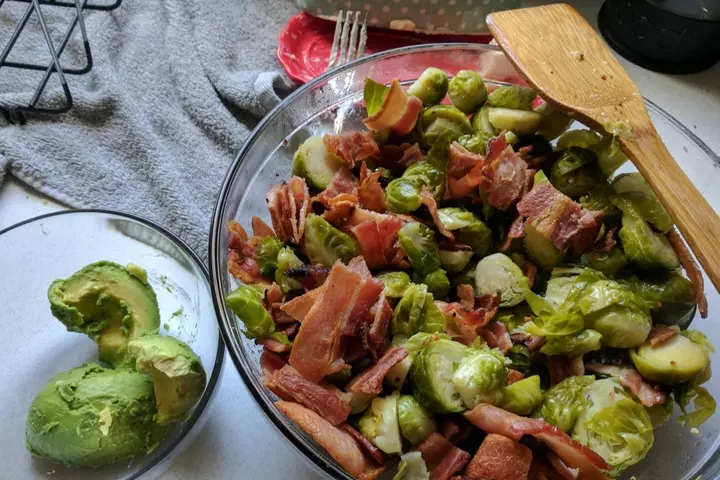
x: 16, y: 113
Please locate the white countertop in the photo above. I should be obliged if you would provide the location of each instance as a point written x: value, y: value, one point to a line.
x: 237, y: 441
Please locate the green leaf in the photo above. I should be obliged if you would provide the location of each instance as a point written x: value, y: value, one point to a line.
x: 374, y: 95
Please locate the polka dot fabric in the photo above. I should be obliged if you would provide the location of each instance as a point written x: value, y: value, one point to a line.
x: 428, y: 16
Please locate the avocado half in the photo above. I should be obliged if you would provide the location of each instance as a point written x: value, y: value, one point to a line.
x: 177, y: 373
x: 110, y: 304
x: 91, y: 416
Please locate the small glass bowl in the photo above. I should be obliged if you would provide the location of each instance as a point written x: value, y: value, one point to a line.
x: 36, y: 346
x: 331, y: 104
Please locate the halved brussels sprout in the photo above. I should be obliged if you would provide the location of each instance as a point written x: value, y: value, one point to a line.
x: 476, y: 142
x: 455, y: 261
x: 553, y: 123
x: 598, y: 198
x: 636, y: 196
x: 402, y: 195
x: 677, y: 360
x: 513, y: 96
x: 437, y: 283
x: 645, y: 247
x: 430, y: 87
x: 579, y: 138
x: 497, y: 274
x: 416, y: 312
x: 315, y: 164
x: 518, y: 121
x: 396, y: 376
x: 267, y: 255
x: 286, y: 260
x: 671, y: 295
x: 380, y: 424
x: 541, y: 251
x: 431, y: 376
x: 523, y: 396
x: 614, y: 425
x: 563, y: 403
x: 575, y: 172
x: 455, y: 218
x: 246, y: 303
x: 395, y: 283
x: 412, y: 467
x: 469, y: 229
x: 418, y: 242
x: 467, y: 91
x: 416, y: 423
x: 481, y: 376
x: 573, y: 345
x: 481, y: 124
x: 610, y: 157
x: 325, y: 244
x: 609, y: 263
x: 439, y: 119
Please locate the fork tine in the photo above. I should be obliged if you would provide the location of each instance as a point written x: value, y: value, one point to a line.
x: 336, y: 40
x: 363, y: 38
x: 353, y: 38
x: 344, y: 38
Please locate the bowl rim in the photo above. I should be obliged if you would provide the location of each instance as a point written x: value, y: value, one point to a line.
x: 214, y: 377
x: 220, y: 206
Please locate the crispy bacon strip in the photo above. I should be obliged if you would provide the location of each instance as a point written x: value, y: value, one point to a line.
x: 388, y: 226
x: 607, y: 242
x: 327, y: 404
x: 352, y: 147
x: 500, y: 458
x: 492, y: 419
x: 532, y: 342
x: 411, y: 154
x: 399, y: 111
x: 464, y: 171
x: 343, y: 182
x: 241, y: 255
x: 496, y: 335
x: 370, y: 380
x: 660, y: 334
x: 270, y: 362
x: 504, y: 179
x: 374, y: 452
x: 442, y: 458
x: 238, y: 238
x: 299, y: 307
x: 633, y: 381
x: 466, y: 324
x: 496, y: 146
x: 453, y: 461
x: 516, y: 230
x: 466, y: 294
x: 370, y: 192
x: 514, y: 376
x: 288, y: 204
x: 559, y: 368
x: 337, y: 442
x: 260, y: 228
x: 273, y: 345
x: 245, y: 269
x: 428, y: 200
x: 563, y: 470
x: 309, y: 276
x: 691, y: 268
x: 530, y: 271
x: 315, y: 350
x: 378, y: 335
x: 340, y: 207
x: 371, y: 246
x: 274, y: 294
x: 370, y: 290
x: 406, y: 124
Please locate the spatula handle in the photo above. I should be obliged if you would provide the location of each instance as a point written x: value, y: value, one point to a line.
x: 695, y: 218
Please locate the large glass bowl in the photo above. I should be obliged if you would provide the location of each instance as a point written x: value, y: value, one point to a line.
x: 330, y: 104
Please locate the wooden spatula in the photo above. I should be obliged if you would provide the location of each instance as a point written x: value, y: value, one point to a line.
x: 561, y: 56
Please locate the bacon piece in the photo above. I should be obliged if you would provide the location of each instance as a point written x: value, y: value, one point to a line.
x: 315, y: 350
x: 660, y: 334
x: 559, y: 219
x: 559, y: 368
x: 288, y: 204
x: 607, y: 242
x: 309, y: 276
x: 516, y: 230
x: 406, y: 124
x: 453, y: 461
x: 631, y: 379
x: 466, y: 294
x: 428, y: 200
x: 563, y: 470
x: 691, y: 268
x: 441, y: 457
x: 504, y: 179
x: 260, y: 228
x: 370, y: 290
x: 388, y: 225
x: 530, y: 271
x: 273, y: 345
x: 410, y: 155
x: 497, y: 336
x: 532, y: 342
x: 299, y: 307
x: 466, y: 324
x: 396, y: 112
x: 496, y: 146
x: 352, y: 147
x: 500, y: 458
x: 514, y: 376
x: 337, y: 442
x: 274, y: 294
x: 343, y: 182
x: 270, y: 362
x: 370, y: 192
x: 245, y: 269
x: 371, y: 246
x: 464, y: 171
x: 238, y: 238
x: 340, y: 207
x: 370, y: 380
x: 378, y: 335
x: 492, y: 419
x: 577, y: 366
x: 374, y: 452
x: 311, y: 395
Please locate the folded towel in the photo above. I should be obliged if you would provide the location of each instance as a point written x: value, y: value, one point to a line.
x: 175, y: 89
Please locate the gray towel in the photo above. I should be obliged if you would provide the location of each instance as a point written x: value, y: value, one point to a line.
x: 176, y: 87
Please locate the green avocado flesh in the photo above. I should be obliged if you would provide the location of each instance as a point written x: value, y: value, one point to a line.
x: 91, y: 416
x: 110, y: 304
x: 177, y: 374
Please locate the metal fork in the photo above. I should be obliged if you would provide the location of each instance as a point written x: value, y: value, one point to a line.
x: 343, y: 49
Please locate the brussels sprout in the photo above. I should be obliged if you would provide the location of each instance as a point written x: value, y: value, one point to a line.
x: 539, y: 177
x: 515, y: 97
x: 467, y: 91
x: 455, y: 261
x: 677, y: 360
x: 395, y: 283
x: 518, y: 121
x: 418, y: 242
x: 286, y: 260
x: 481, y: 124
x: 610, y: 157
x: 598, y: 198
x: 476, y: 142
x: 613, y: 425
x: 439, y: 119
x: 558, y: 289
x: 553, y: 124
x: 246, y: 303
x: 523, y: 396
x: 609, y: 263
x: 541, y: 251
x: 520, y: 358
x: 437, y: 283
x: 637, y: 198
x: 671, y: 296
x: 469, y: 229
x: 325, y: 244
x: 412, y: 467
x: 396, y: 376
x: 374, y: 94
x: 703, y: 403
x: 540, y: 145
x: 573, y: 345
x: 416, y: 423
x: 431, y: 376
x: 416, y: 312
x: 563, y: 403
x: 402, y: 195
x: 575, y: 172
x: 660, y: 414
x: 579, y: 138
x: 481, y: 376
x: 454, y: 218
x: 315, y: 164
x: 515, y: 317
x: 430, y: 87
x: 267, y: 255
x: 497, y: 274
x: 645, y: 247
x: 380, y: 424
